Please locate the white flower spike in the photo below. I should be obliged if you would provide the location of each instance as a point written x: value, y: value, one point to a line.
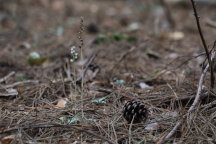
x: 74, y: 54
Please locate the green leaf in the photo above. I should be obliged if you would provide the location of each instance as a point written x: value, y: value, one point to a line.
x: 118, y: 37
x: 62, y: 119
x: 120, y: 81
x: 99, y: 101
x: 59, y: 31
x: 101, y: 38
x: 75, y: 119
x: 141, y: 141
x: 131, y: 39
x: 20, y: 78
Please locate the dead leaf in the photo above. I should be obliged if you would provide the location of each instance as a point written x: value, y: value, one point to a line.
x: 9, y: 92
x: 9, y: 139
x: 128, y: 76
x: 180, y: 77
x: 133, y: 27
x: 58, y: 5
x: 173, y: 56
x: 152, y: 126
x: 91, y: 72
x: 144, y: 85
x: 61, y: 103
x: 172, y: 36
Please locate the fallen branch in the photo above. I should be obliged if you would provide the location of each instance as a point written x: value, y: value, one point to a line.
x: 195, y: 102
x: 7, y: 76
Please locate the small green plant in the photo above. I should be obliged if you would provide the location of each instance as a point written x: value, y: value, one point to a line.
x: 101, y: 38
x: 114, y: 37
x: 118, y: 36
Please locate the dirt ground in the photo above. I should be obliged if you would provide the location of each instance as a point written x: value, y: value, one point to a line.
x: 127, y: 50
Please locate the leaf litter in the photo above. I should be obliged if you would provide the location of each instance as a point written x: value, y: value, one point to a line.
x: 46, y: 105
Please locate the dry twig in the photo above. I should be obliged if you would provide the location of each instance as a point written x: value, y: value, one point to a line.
x: 90, y: 61
x: 19, y: 83
x: 204, y: 43
x: 7, y: 76
x: 198, y: 94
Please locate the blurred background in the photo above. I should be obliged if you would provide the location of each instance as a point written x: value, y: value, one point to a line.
x: 163, y: 29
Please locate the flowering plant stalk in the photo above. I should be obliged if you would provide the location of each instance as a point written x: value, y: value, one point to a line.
x: 74, y: 54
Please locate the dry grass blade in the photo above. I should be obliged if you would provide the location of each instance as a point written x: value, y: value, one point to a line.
x: 192, y: 107
x: 90, y: 61
x: 77, y: 95
x: 130, y: 136
x: 57, y: 125
x: 20, y: 83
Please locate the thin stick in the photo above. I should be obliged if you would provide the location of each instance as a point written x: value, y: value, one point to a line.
x: 195, y: 102
x: 203, y: 42
x: 58, y: 125
x: 19, y: 83
x: 114, y: 131
x: 168, y: 13
x: 211, y: 23
x: 130, y: 130
x: 7, y: 76
x: 90, y: 61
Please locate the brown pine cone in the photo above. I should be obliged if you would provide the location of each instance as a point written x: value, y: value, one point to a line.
x: 135, y: 109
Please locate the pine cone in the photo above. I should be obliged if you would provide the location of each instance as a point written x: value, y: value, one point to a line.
x: 135, y: 109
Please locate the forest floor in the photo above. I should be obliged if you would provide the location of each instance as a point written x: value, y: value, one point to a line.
x: 131, y: 50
